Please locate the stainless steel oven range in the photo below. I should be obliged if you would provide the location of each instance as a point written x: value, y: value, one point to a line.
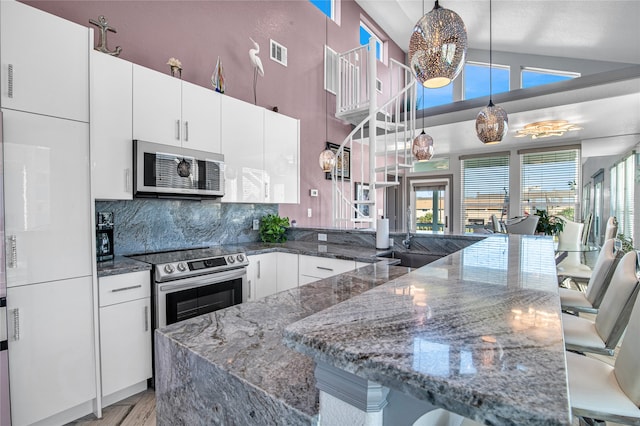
x: 188, y: 283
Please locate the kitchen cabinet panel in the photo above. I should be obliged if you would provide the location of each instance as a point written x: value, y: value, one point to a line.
x: 246, y: 180
x: 157, y: 107
x: 281, y: 157
x: 46, y: 190
x: 45, y: 63
x: 311, y: 267
x: 287, y: 275
x: 51, y: 348
x: 201, y: 118
x: 262, y: 272
x: 124, y: 288
x: 111, y: 127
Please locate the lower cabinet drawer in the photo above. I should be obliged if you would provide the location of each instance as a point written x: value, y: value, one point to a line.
x: 323, y: 267
x: 124, y: 287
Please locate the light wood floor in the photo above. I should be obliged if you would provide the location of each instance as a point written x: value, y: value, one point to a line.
x: 137, y: 410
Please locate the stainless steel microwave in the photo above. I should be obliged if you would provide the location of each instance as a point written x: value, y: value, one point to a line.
x: 170, y: 171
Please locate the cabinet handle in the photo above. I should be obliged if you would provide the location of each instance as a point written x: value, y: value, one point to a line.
x: 127, y: 180
x: 249, y: 295
x: 258, y: 269
x: 266, y: 190
x: 16, y: 324
x: 186, y: 131
x: 115, y: 290
x: 13, y: 251
x: 146, y: 318
x: 178, y: 129
x: 324, y: 269
x: 10, y: 75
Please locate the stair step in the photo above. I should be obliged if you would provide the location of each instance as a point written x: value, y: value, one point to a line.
x: 363, y: 202
x: 362, y: 219
x: 391, y: 168
x: 385, y: 184
x: 389, y: 125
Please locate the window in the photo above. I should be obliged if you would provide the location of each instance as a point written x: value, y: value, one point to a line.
x: 485, y: 186
x: 434, y: 165
x: 330, y: 70
x: 365, y: 35
x: 428, y: 98
x: 326, y: 6
x: 549, y: 181
x: 622, y: 197
x: 476, y: 79
x: 536, y: 77
x: 278, y: 53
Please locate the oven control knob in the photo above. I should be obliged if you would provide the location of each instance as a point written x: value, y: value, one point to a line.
x: 168, y: 269
x: 231, y: 259
x: 182, y: 267
x: 240, y: 258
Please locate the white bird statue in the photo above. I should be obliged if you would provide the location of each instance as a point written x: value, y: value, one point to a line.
x: 257, y: 66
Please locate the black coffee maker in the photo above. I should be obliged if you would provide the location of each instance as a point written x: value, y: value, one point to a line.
x: 104, y: 236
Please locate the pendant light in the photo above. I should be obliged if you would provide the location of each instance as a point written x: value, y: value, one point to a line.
x: 422, y: 146
x: 438, y: 47
x: 492, y: 121
x: 327, y: 159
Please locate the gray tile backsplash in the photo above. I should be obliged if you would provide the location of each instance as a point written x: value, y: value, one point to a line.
x: 145, y: 225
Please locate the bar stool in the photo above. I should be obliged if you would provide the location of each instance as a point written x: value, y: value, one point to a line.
x: 602, y: 336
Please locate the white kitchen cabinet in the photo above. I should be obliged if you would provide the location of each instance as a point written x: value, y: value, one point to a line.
x: 281, y: 157
x: 287, y: 271
x: 46, y: 191
x: 313, y: 268
x: 45, y: 63
x: 125, y: 331
x: 169, y: 111
x: 111, y: 127
x: 51, y: 348
x: 243, y: 148
x: 263, y: 275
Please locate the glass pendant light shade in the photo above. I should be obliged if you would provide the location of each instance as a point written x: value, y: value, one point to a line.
x: 492, y: 124
x: 422, y: 147
x: 438, y: 47
x: 327, y: 160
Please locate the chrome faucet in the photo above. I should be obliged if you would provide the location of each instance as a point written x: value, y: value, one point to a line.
x: 407, y: 241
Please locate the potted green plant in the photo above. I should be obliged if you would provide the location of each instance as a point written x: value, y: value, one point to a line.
x: 272, y: 228
x: 549, y: 225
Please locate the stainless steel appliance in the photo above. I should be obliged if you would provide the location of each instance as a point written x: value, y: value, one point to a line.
x: 193, y: 282
x: 5, y: 411
x: 104, y: 236
x: 168, y: 171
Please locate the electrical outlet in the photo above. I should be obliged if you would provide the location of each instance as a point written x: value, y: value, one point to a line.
x: 313, y: 192
x: 308, y: 212
x: 256, y: 224
x: 322, y: 237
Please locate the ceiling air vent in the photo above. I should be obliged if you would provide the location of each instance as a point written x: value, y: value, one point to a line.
x: 278, y: 53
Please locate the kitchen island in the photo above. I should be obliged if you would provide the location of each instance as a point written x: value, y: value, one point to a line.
x: 477, y: 332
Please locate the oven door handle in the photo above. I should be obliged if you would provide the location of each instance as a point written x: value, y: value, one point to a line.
x: 200, y: 280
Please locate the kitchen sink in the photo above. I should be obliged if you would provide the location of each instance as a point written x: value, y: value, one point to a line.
x: 412, y: 259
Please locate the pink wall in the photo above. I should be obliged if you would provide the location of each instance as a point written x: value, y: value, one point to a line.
x: 197, y: 32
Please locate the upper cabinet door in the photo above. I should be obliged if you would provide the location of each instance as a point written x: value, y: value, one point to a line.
x: 281, y: 157
x: 200, y: 118
x: 242, y: 146
x: 45, y: 63
x: 156, y: 107
x: 46, y: 191
x: 111, y: 127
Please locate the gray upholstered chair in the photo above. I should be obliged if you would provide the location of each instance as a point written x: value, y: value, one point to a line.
x: 524, y: 226
x: 589, y: 301
x: 608, y: 393
x: 602, y: 335
x: 611, y: 229
x: 496, y: 225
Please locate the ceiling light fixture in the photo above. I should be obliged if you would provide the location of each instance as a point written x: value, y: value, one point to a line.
x: 422, y: 146
x: 492, y: 121
x: 545, y: 129
x: 438, y: 47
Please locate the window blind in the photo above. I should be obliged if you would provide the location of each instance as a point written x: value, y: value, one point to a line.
x: 485, y: 186
x: 622, y: 194
x: 550, y: 181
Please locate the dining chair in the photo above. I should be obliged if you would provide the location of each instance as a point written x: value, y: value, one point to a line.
x: 524, y: 226
x: 611, y: 230
x: 497, y: 226
x: 589, y: 301
x: 602, y: 335
x: 571, y: 237
x: 600, y: 392
x: 587, y: 228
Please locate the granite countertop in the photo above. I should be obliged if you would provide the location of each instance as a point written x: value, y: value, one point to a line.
x: 121, y: 265
x: 478, y: 332
x: 231, y: 367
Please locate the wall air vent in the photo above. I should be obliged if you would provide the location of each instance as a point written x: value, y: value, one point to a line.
x: 278, y: 53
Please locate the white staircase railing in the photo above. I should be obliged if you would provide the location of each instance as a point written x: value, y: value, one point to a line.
x: 379, y: 146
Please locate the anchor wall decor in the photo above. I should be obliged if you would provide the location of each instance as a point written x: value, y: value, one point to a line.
x: 102, y: 42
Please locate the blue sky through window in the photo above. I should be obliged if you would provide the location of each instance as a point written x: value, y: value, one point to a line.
x: 476, y: 80
x: 536, y: 78
x: 324, y: 6
x: 428, y: 98
x: 365, y: 35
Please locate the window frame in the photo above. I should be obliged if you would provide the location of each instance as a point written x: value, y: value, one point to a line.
x: 374, y: 34
x: 622, y: 174
x: 333, y: 12
x: 485, y: 65
x: 546, y: 71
